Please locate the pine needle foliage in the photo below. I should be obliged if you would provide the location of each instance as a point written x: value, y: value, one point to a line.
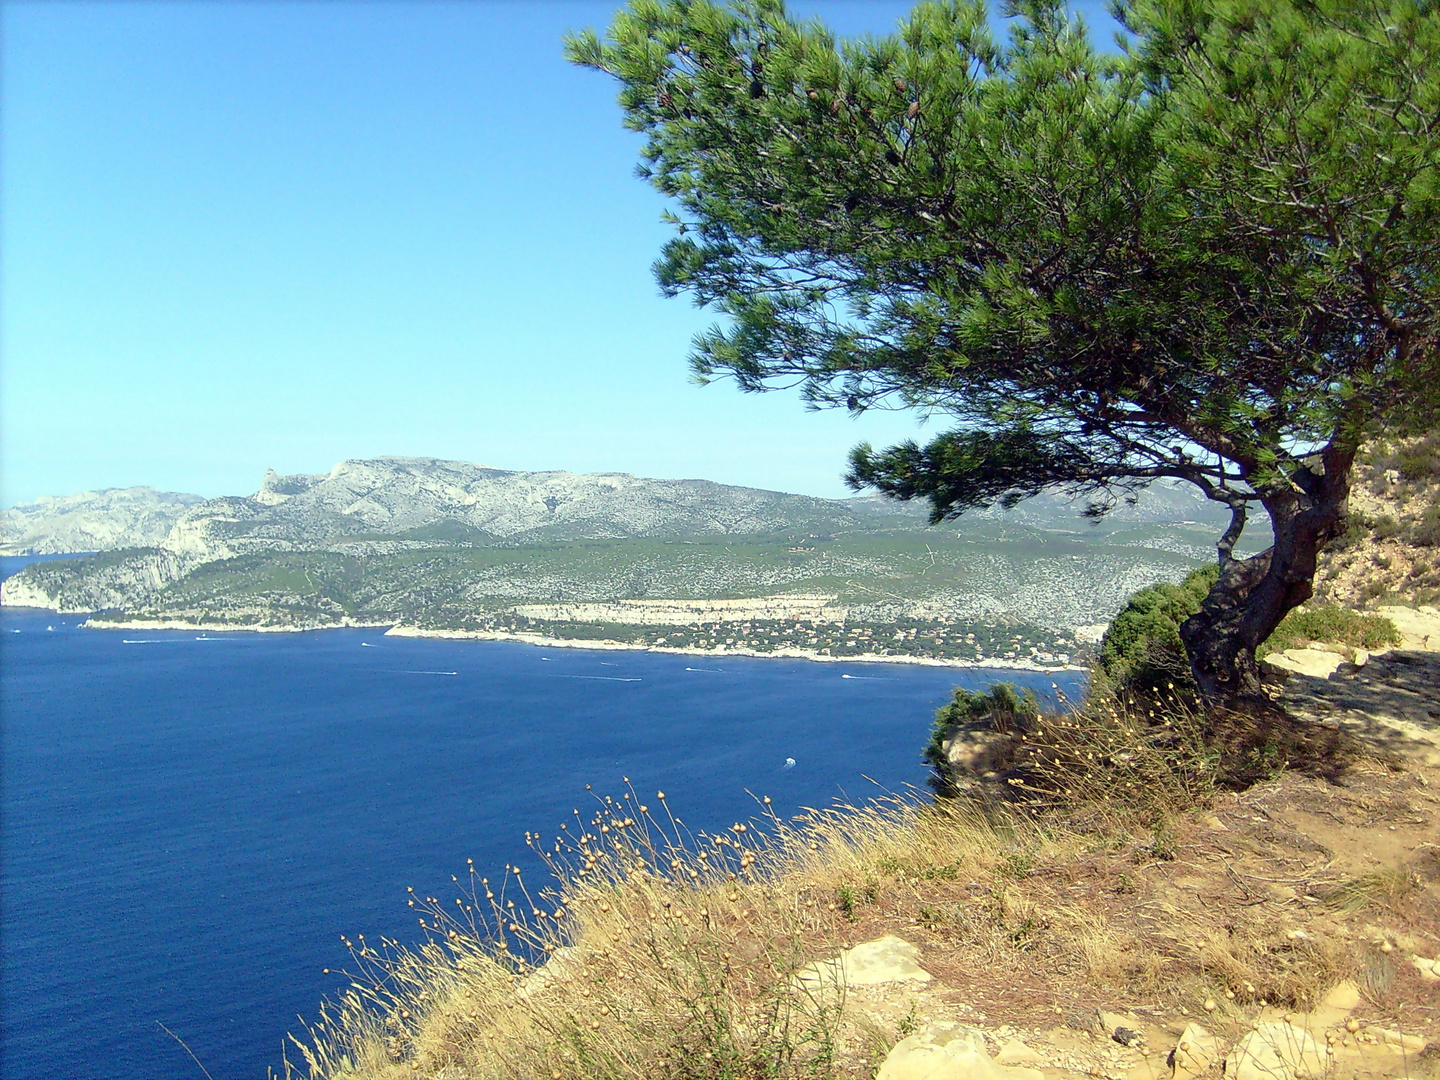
x: 1211, y: 258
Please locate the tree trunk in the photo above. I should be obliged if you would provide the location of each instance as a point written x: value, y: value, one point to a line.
x: 1253, y: 595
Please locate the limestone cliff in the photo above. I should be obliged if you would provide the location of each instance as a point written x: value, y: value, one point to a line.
x: 92, y: 521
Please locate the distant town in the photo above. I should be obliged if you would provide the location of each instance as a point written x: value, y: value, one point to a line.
x: 949, y: 640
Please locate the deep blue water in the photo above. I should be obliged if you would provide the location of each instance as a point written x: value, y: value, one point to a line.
x: 190, y: 825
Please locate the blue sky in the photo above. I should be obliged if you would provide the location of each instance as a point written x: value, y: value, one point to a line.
x: 245, y: 235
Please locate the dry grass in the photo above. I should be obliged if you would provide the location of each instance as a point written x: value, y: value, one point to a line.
x: 661, y: 953
x: 669, y: 954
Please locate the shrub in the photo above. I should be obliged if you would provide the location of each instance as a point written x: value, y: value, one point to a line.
x: 1357, y: 531
x: 1417, y: 460
x: 1427, y: 529
x: 1141, y: 652
x: 1386, y: 527
x: 1004, y: 706
x: 1333, y: 625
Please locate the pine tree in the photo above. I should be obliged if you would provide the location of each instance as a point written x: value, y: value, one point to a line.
x: 1208, y: 258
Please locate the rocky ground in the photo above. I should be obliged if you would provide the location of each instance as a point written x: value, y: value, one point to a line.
x: 1297, y: 860
x: 1307, y: 911
x: 1391, y: 550
x: 1390, y: 699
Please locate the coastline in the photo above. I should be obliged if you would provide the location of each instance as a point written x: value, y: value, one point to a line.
x: 715, y: 654
x: 541, y: 640
x: 222, y: 628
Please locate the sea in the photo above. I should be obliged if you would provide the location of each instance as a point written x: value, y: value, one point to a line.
x: 191, y: 821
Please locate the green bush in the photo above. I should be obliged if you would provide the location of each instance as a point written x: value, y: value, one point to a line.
x: 1386, y: 527
x: 1427, y: 529
x: 1417, y: 460
x: 1332, y: 625
x: 1142, y: 652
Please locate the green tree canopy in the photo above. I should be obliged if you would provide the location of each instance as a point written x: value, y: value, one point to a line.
x: 1210, y: 258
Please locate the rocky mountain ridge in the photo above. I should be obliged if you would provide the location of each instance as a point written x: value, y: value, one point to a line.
x: 92, y: 521
x: 429, y: 500
x: 425, y: 499
x: 444, y: 544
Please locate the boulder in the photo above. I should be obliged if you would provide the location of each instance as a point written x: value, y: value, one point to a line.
x: 1123, y: 1028
x: 1316, y: 663
x: 889, y: 959
x: 1276, y: 1050
x: 1195, y: 1053
x: 947, y: 1051
x: 1397, y: 1040
x: 562, y: 965
x: 1419, y: 627
x: 977, y: 750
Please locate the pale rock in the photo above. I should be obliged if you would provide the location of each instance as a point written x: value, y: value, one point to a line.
x: 1419, y: 627
x: 92, y: 521
x: 1398, y: 1040
x: 947, y: 1051
x: 1195, y: 1053
x: 1215, y: 824
x: 1276, y: 1050
x: 1334, y: 1007
x: 108, y: 585
x: 1429, y: 969
x: 888, y: 959
x: 1314, y: 663
x: 976, y: 750
x: 1379, y: 935
x: 561, y: 965
x: 20, y: 591
x: 1110, y: 1021
x: 1016, y: 1052
x: 1343, y: 996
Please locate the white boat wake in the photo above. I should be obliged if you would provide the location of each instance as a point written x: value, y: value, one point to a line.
x: 601, y: 678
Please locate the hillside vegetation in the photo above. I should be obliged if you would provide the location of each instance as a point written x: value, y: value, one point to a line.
x: 1391, y: 550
